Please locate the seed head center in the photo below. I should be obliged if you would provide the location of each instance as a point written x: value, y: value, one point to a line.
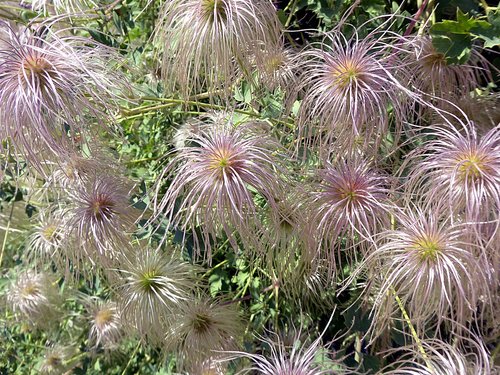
x: 428, y: 249
x: 201, y: 322
x: 148, y: 280
x: 102, y: 207
x: 221, y: 161
x: 472, y: 166
x: 346, y: 73
x: 213, y: 9
x: 54, y: 360
x: 434, y: 59
x: 30, y: 290
x: 349, y: 194
x: 34, y: 66
x: 103, y: 317
x: 49, y: 232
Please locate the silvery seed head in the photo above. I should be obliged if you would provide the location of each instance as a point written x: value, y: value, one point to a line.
x: 348, y: 206
x: 153, y: 288
x: 349, y: 85
x: 427, y: 264
x: 201, y: 329
x: 35, y: 297
x: 46, y: 243
x: 56, y: 360
x: 433, y: 75
x: 101, y: 218
x: 296, y: 358
x: 467, y: 356
x: 106, y: 327
x: 206, y: 42
x: 50, y: 82
x: 460, y: 168
x: 215, y: 179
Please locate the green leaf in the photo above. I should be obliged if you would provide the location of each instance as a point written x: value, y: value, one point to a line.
x: 489, y: 31
x: 454, y: 38
x: 456, y: 48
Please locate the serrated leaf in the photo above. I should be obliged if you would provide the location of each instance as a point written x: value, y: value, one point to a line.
x: 456, y: 47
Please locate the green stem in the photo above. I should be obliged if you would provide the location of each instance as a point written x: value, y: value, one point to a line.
x: 495, y: 353
x: 131, y: 358
x: 485, y: 5
x: 78, y: 356
x: 290, y: 6
x: 137, y: 161
x: 406, y: 317
x: 413, y: 331
x: 6, y: 235
x: 214, y: 268
x: 170, y: 102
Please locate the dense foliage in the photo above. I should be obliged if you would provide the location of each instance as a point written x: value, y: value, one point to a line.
x: 292, y: 187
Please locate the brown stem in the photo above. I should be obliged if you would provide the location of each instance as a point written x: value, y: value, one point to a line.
x: 416, y: 18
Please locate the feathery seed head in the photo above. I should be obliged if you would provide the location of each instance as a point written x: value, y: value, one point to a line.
x: 49, y: 81
x: 56, y: 360
x: 106, y: 328
x: 434, y: 76
x: 154, y: 286
x: 297, y: 359
x: 45, y: 243
x: 351, y: 200
x: 277, y: 67
x: 34, y: 296
x: 461, y: 170
x: 216, y: 177
x: 75, y: 170
x: 430, y: 268
x: 101, y: 216
x: 349, y: 84
x: 207, y: 41
x: 469, y: 357
x: 201, y: 329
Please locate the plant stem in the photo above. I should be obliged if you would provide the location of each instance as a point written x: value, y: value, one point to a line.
x: 412, y: 331
x: 416, y: 17
x: 131, y: 358
x: 6, y: 235
x: 290, y: 6
x: 171, y: 102
x: 485, y: 5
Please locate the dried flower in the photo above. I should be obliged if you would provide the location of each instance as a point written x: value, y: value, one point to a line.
x: 349, y: 84
x: 277, y: 68
x: 433, y: 75
x: 101, y: 217
x: 470, y: 357
x: 206, y: 41
x: 201, y: 329
x: 56, y: 360
x: 460, y: 169
x: 153, y: 288
x: 106, y: 328
x: 76, y: 170
x: 48, y: 83
x: 349, y: 206
x: 297, y: 359
x: 36, y: 297
x: 216, y: 178
x: 44, y: 245
x: 426, y: 263
x: 307, y: 279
